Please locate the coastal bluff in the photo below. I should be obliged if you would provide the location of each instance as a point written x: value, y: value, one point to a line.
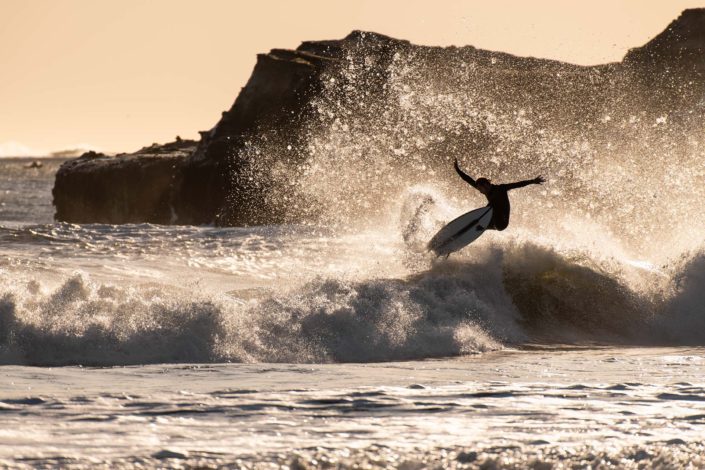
x: 372, y: 90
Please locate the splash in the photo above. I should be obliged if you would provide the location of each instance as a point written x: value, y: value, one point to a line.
x: 621, y: 164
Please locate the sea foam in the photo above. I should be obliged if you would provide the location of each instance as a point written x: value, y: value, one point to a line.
x: 505, y: 293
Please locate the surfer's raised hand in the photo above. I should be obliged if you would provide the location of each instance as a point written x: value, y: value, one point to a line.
x: 467, y: 178
x: 539, y: 180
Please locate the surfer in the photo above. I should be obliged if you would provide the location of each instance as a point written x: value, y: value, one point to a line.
x: 496, y: 195
x: 465, y: 229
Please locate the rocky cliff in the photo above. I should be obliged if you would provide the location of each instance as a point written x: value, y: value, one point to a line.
x: 379, y: 112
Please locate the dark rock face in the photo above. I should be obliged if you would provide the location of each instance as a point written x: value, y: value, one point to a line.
x: 95, y: 188
x: 681, y: 45
x: 260, y: 161
x: 273, y: 99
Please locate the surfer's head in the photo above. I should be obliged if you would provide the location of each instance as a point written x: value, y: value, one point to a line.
x: 483, y: 184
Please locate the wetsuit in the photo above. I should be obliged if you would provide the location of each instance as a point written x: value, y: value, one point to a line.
x: 497, y: 198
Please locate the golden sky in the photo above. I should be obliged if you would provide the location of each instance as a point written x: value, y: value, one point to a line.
x: 118, y: 75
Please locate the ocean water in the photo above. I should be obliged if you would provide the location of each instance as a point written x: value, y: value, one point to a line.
x: 324, y: 346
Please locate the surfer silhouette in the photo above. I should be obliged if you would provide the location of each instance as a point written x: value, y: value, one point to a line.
x: 496, y: 195
x: 464, y: 229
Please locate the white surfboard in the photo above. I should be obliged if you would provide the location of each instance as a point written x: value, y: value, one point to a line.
x: 461, y: 231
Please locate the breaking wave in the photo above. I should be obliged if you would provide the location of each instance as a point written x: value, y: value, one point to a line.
x: 507, y: 294
x: 88, y: 323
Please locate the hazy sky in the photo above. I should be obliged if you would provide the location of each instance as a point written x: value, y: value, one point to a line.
x: 118, y: 75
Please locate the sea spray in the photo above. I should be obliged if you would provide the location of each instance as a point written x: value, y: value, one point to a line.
x: 390, y: 118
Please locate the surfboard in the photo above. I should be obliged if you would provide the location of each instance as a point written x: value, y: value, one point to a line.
x: 461, y: 231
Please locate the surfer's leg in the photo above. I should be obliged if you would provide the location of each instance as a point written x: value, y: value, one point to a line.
x: 498, y: 223
x: 501, y: 226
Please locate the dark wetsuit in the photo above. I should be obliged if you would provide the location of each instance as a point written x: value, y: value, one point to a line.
x: 497, y: 198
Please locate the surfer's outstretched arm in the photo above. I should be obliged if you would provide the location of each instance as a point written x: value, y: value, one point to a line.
x: 521, y: 184
x: 465, y: 177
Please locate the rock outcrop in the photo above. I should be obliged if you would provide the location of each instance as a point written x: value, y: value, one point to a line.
x: 129, y: 188
x: 375, y: 88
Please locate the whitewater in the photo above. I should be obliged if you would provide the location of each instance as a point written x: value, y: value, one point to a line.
x: 318, y: 346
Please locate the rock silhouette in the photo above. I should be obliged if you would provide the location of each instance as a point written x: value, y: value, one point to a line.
x: 241, y: 172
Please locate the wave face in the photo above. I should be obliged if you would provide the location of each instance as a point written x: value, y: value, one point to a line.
x: 84, y: 323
